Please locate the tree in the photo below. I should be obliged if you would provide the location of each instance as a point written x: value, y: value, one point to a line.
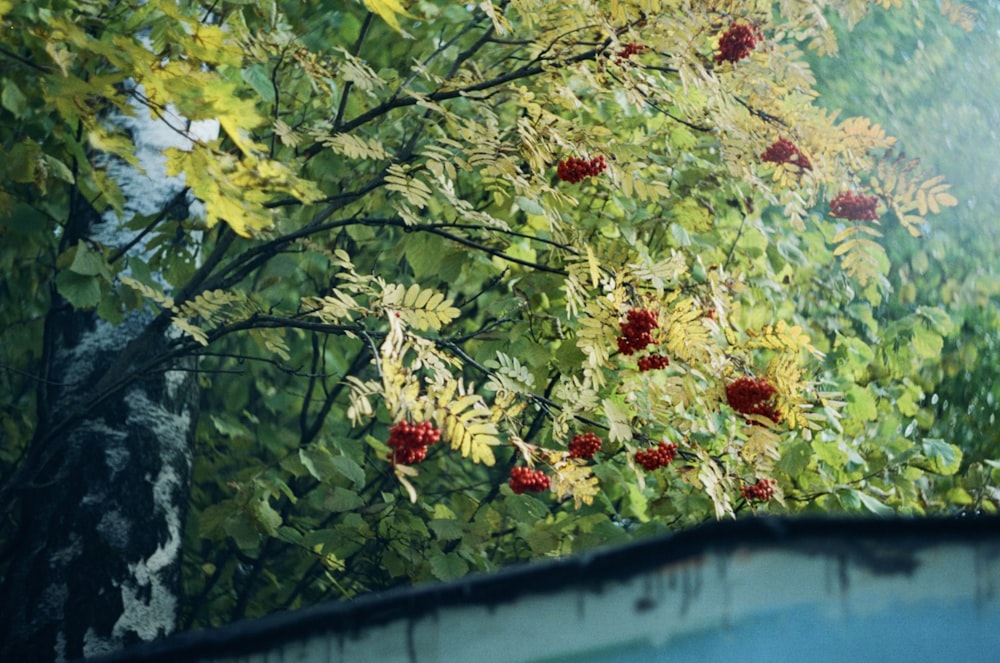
x: 454, y: 286
x: 931, y: 90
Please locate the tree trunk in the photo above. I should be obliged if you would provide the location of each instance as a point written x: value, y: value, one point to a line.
x: 97, y: 562
x: 102, y: 495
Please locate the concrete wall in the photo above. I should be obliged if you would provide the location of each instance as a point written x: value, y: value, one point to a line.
x: 827, y: 590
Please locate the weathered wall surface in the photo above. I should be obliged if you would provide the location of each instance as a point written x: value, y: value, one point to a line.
x: 755, y: 590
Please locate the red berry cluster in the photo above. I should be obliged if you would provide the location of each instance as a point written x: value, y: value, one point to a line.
x: 409, y: 441
x: 653, y: 362
x: 659, y: 456
x: 629, y: 50
x: 753, y: 396
x: 761, y: 491
x: 636, y: 330
x: 854, y: 206
x: 785, y: 151
x: 523, y: 479
x: 737, y: 42
x: 575, y: 169
x: 584, y: 445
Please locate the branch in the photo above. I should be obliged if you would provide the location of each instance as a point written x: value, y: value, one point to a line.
x: 767, y: 117
x: 253, y: 258
x: 25, y: 61
x: 342, y: 107
x: 493, y: 252
x: 736, y: 240
x: 395, y: 103
x: 117, y: 255
x: 309, y: 432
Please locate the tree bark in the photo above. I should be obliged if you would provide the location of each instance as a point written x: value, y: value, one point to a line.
x: 97, y: 563
x: 102, y: 498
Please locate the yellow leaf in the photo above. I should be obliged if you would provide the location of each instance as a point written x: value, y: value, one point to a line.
x: 618, y: 419
x: 761, y: 448
x: 389, y: 11
x: 573, y: 478
x: 115, y: 144
x: 959, y: 14
x: 286, y: 134
x: 238, y: 134
x: 946, y: 199
x: 845, y: 247
x: 845, y: 234
x: 401, y: 472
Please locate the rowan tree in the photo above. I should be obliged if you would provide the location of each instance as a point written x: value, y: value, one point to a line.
x: 404, y: 293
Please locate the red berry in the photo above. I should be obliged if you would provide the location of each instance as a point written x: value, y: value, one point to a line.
x: 753, y: 396
x: 653, y: 362
x: 854, y: 206
x: 761, y: 491
x: 524, y: 479
x: 636, y: 330
x: 584, y: 445
x: 785, y: 151
x: 575, y: 169
x: 737, y: 42
x: 627, y: 52
x: 659, y: 456
x: 409, y: 441
x: 409, y: 455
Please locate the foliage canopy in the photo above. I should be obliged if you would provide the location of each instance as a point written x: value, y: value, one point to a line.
x: 391, y: 230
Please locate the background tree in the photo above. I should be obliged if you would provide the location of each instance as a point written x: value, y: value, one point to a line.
x: 459, y: 286
x: 933, y: 88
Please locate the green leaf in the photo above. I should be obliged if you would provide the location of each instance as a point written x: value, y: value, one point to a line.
x: 260, y: 80
x: 795, y: 458
x: 939, y: 457
x: 244, y: 533
x: 680, y: 235
x: 530, y: 206
x: 265, y: 516
x: 229, y: 427
x: 318, y: 462
x: 830, y: 453
x: 342, y: 499
x: 24, y: 219
x: 212, y: 519
x: 111, y: 308
x: 350, y: 469
x: 82, y: 292
x: 855, y: 354
x: 306, y: 458
x: 21, y: 161
x: 525, y: 508
x: 58, y: 169
x: 937, y: 318
x: 542, y: 541
x: 960, y: 496
x: 449, y: 566
x: 908, y: 401
x: 861, y: 403
x: 446, y: 529
x: 289, y: 534
x: 927, y: 343
x: 13, y: 99
x: 89, y: 263
x: 873, y: 504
